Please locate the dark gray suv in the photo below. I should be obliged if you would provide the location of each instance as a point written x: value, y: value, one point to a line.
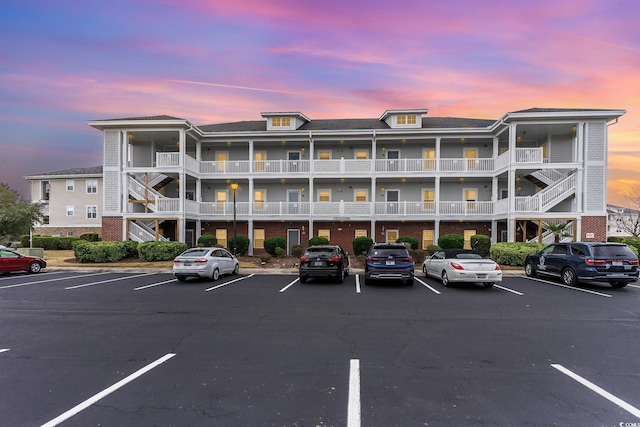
x: 583, y: 261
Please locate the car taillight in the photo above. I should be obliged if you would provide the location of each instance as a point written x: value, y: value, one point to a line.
x: 177, y: 260
x: 497, y: 267
x: 407, y: 259
x: 591, y: 261
x: 334, y: 259
x: 457, y: 266
x: 200, y: 260
x: 304, y: 259
x: 633, y: 262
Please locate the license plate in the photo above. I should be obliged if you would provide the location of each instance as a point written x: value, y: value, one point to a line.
x: 187, y: 264
x: 482, y: 276
x: 616, y: 275
x: 391, y: 263
x: 617, y: 263
x: 318, y: 263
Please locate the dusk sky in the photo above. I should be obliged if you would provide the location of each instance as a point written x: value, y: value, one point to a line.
x: 65, y: 62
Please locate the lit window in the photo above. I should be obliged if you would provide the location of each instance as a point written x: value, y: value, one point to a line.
x: 275, y: 121
x: 429, y: 159
x: 259, y: 198
x: 361, y: 155
x: 428, y: 197
x: 92, y: 212
x: 221, y: 235
x: 70, y: 210
x: 467, y: 238
x: 361, y: 233
x: 92, y: 187
x: 470, y: 198
x: 70, y: 185
x: 324, y: 195
x: 402, y: 120
x: 325, y: 233
x: 221, y: 199
x: 427, y: 238
x: 361, y: 195
x: 411, y: 120
x: 324, y: 155
x: 258, y: 238
x: 286, y: 121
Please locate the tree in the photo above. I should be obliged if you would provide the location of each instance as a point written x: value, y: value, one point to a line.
x: 17, y: 216
x: 558, y: 230
x: 629, y: 219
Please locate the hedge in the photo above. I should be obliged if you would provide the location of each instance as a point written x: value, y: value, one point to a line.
x: 409, y: 239
x: 513, y: 253
x: 481, y: 244
x: 272, y: 243
x: 315, y: 241
x: 99, y: 251
x: 160, y: 251
x: 361, y: 244
x: 207, y: 240
x: 242, y: 245
x: 451, y: 241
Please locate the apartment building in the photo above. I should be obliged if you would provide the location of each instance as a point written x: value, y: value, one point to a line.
x: 71, y: 201
x: 622, y: 221
x: 402, y: 174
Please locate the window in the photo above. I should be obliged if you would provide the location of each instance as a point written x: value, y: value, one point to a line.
x: 92, y: 212
x: 286, y: 121
x: 258, y: 238
x: 467, y: 238
x: 362, y: 155
x: 402, y: 120
x: 221, y: 235
x: 470, y: 198
x: 361, y: 233
x: 69, y: 233
x: 259, y: 198
x: 471, y: 156
x: 324, y: 155
x: 411, y: 120
x: 325, y: 233
x: 70, y: 210
x: 429, y: 159
x: 428, y: 199
x: 221, y: 160
x: 392, y: 235
x: 259, y: 157
x: 275, y: 121
x: 406, y: 120
x: 324, y: 195
x: 362, y: 195
x: 71, y: 185
x: 427, y: 238
x: 221, y: 199
x: 92, y: 186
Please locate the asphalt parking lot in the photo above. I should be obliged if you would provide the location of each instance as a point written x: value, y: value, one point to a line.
x: 141, y: 349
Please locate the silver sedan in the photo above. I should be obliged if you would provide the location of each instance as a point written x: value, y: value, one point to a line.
x: 462, y: 265
x: 205, y: 262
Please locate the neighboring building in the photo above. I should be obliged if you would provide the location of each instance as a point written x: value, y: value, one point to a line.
x: 403, y: 174
x: 72, y: 201
x: 622, y: 221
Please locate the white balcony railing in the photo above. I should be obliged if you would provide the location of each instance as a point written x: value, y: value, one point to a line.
x: 167, y: 159
x: 405, y: 208
x: 529, y: 155
x: 466, y: 208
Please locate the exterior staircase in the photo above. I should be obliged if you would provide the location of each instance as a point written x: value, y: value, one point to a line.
x: 549, y: 197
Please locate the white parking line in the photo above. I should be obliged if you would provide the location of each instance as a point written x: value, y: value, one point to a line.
x: 358, y: 290
x: 50, y: 280
x: 2, y: 350
x: 110, y: 280
x: 229, y: 282
x: 353, y: 407
x: 289, y: 285
x: 84, y: 405
x: 634, y: 286
x: 621, y: 403
x: 428, y: 287
x: 155, y: 284
x: 568, y: 287
x: 508, y: 290
x: 43, y: 273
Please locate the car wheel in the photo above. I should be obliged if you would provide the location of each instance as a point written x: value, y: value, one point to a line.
x: 488, y: 284
x: 424, y: 270
x: 35, y: 267
x: 303, y: 279
x: 216, y: 274
x: 236, y: 269
x: 181, y: 278
x: 529, y: 269
x: 445, y: 278
x: 569, y: 277
x: 618, y: 284
x: 340, y: 277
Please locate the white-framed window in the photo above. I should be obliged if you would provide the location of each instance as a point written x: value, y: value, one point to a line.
x: 222, y: 196
x: 427, y: 238
x: 92, y: 186
x: 71, y: 185
x: 92, y: 212
x: 326, y: 233
x: 221, y: 235
x: 361, y: 195
x: 69, y: 233
x: 259, y: 199
x: 324, y: 155
x: 324, y: 195
x: 362, y: 154
x: 70, y: 210
x: 392, y: 235
x: 362, y: 232
x: 467, y: 238
x: 428, y: 198
x: 258, y: 238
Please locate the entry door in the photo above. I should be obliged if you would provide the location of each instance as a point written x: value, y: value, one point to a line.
x: 293, y: 238
x: 393, y: 157
x: 294, y: 158
x: 393, y: 198
x: 188, y: 237
x: 293, y: 197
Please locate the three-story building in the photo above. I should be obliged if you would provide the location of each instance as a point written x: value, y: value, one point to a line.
x: 403, y: 174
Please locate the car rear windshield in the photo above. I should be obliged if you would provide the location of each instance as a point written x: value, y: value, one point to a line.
x: 606, y: 251
x: 469, y: 255
x: 390, y: 252
x: 196, y: 252
x: 319, y: 251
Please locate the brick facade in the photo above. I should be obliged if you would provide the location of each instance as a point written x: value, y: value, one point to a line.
x: 112, y: 228
x: 596, y: 225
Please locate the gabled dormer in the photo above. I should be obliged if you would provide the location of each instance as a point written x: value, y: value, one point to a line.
x: 285, y: 121
x: 404, y: 119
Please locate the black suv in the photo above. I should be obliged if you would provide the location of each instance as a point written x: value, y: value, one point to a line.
x: 328, y: 261
x: 575, y: 262
x: 389, y: 261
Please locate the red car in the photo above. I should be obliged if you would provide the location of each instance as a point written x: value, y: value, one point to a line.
x: 12, y: 261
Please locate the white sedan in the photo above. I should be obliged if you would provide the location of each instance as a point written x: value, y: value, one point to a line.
x: 205, y: 262
x: 462, y: 265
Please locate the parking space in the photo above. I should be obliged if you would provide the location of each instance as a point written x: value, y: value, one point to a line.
x: 144, y: 349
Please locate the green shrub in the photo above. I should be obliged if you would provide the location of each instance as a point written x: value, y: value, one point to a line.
x: 451, y: 241
x: 99, y: 251
x: 280, y: 252
x: 265, y: 258
x: 513, y: 253
x: 361, y: 244
x: 315, y: 241
x: 132, y: 248
x: 432, y: 249
x: 615, y: 239
x: 634, y: 250
x: 297, y: 250
x: 207, y: 240
x: 52, y: 243
x: 415, y: 244
x: 272, y: 243
x: 90, y: 237
x: 481, y: 244
x: 418, y: 256
x: 242, y: 245
x: 24, y: 240
x: 632, y: 242
x: 160, y: 251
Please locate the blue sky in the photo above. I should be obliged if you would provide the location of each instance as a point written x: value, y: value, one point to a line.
x: 66, y: 62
